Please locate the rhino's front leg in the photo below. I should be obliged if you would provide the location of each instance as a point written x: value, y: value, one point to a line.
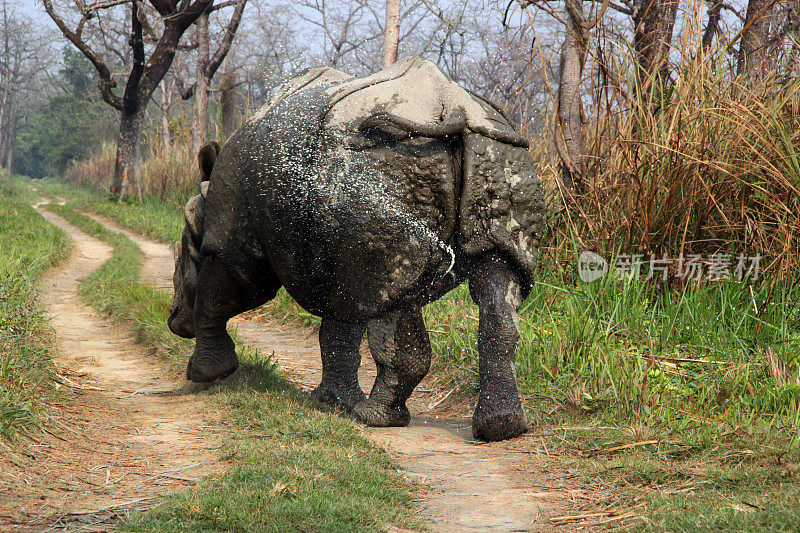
x: 339, y: 343
x: 499, y: 414
x: 402, y: 351
x: 217, y: 300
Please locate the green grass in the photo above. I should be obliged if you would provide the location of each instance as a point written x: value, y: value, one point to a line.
x: 612, y: 349
x: 28, y: 245
x: 669, y: 489
x: 154, y: 218
x: 291, y: 467
x: 294, y: 469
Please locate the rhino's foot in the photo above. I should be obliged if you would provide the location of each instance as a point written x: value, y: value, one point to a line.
x: 213, y: 359
x: 493, y: 423
x: 379, y: 415
x: 343, y: 399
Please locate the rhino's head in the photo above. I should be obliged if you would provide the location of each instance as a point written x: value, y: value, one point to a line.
x: 187, y: 252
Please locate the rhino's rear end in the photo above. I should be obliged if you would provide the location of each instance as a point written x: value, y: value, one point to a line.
x: 342, y: 236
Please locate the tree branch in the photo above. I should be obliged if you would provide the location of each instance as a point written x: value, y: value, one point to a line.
x: 131, y: 95
x: 185, y: 92
x: 227, y: 40
x: 223, y: 5
x: 106, y: 82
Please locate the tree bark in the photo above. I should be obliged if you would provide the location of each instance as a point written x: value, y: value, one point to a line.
x: 11, y: 135
x: 126, y: 179
x: 391, y: 37
x: 200, y: 118
x: 569, y: 112
x: 10, y: 157
x: 166, y: 105
x: 5, y: 138
x: 753, y: 60
x: 654, y: 21
x: 227, y: 90
x: 207, y: 66
x: 712, y: 28
x: 127, y: 161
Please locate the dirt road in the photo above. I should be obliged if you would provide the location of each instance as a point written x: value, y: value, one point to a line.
x: 124, y: 432
x: 506, y: 486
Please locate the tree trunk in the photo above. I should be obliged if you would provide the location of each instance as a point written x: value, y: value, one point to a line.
x: 127, y: 181
x: 227, y: 90
x: 712, y: 27
x: 753, y: 58
x: 200, y: 120
x: 654, y: 21
x: 391, y: 37
x: 11, y: 137
x: 166, y: 105
x: 569, y: 112
x: 5, y: 138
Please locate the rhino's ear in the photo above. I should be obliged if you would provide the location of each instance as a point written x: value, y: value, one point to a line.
x: 190, y: 214
x: 206, y: 158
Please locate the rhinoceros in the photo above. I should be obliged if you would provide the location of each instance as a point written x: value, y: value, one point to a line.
x: 367, y: 198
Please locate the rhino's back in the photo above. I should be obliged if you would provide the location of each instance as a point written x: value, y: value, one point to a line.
x: 344, y: 240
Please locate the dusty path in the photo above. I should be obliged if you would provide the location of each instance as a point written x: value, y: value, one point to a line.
x: 123, y: 434
x: 507, y: 486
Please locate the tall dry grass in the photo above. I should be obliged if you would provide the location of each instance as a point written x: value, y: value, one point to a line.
x: 168, y: 173
x: 96, y: 171
x: 708, y: 164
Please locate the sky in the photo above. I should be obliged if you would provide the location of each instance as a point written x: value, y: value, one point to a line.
x: 34, y: 9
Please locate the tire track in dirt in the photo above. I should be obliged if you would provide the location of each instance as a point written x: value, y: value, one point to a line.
x: 123, y: 433
x: 472, y: 486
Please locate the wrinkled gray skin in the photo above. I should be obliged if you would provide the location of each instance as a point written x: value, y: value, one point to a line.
x: 364, y: 224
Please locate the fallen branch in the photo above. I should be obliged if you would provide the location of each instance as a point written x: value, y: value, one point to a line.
x: 69, y: 383
x: 569, y: 518
x: 438, y: 402
x: 613, y: 519
x: 622, y: 447
x: 685, y: 360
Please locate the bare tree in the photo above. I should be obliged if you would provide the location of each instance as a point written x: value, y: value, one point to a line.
x: 391, y: 39
x: 227, y: 103
x: 342, y: 29
x: 267, y: 50
x: 713, y: 25
x: 24, y: 56
x: 569, y: 108
x: 173, y: 17
x: 167, y: 90
x: 207, y: 65
x: 570, y: 119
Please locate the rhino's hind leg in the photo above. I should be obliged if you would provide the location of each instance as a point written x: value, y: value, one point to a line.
x: 217, y: 301
x: 499, y: 414
x: 402, y: 351
x: 339, y: 343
